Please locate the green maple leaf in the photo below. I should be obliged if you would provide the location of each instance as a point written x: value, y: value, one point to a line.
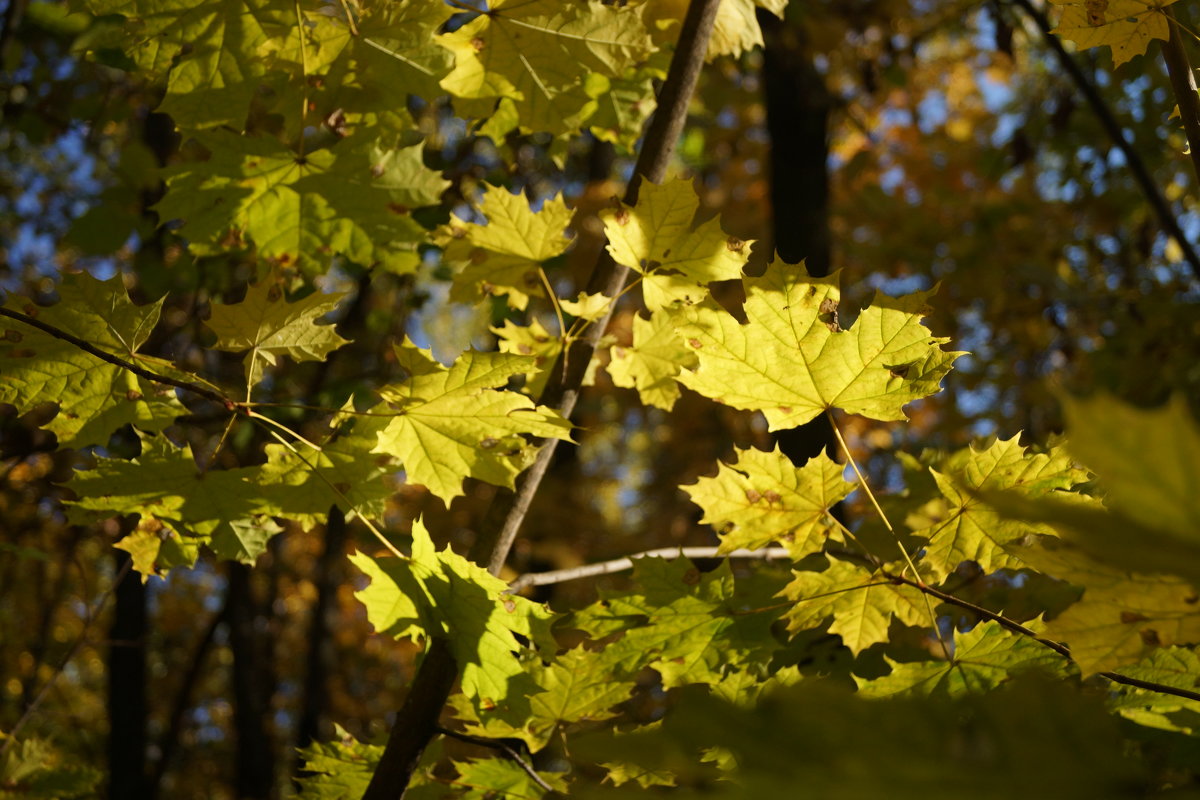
x: 689, y: 626
x: 1146, y: 464
x: 1147, y: 461
x: 216, y: 508
x: 338, y: 770
x: 763, y: 498
x: 861, y: 602
x: 1170, y: 666
x: 970, y: 529
x: 538, y: 53
x: 442, y: 594
x: 578, y: 686
x: 622, y: 107
x: 1122, y: 616
x: 300, y: 482
x: 792, y: 361
x: 735, y: 30
x: 502, y: 779
x: 1127, y: 26
x: 503, y: 257
x: 984, y: 657
x: 653, y: 362
x: 268, y: 326
x: 351, y: 200
x: 655, y: 238
x: 210, y: 48
x: 94, y: 397
x: 450, y: 424
x: 530, y: 340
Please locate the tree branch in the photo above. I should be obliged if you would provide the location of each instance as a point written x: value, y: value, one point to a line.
x: 1017, y: 627
x: 498, y: 745
x: 416, y: 723
x: 621, y: 564
x: 142, y: 372
x: 1141, y: 174
x: 1183, y: 83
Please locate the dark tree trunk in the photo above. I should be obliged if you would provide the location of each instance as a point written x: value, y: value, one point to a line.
x: 320, y: 655
x: 798, y: 106
x: 255, y: 762
x: 127, y: 690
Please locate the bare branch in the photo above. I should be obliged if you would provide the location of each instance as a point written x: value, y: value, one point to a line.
x: 621, y: 564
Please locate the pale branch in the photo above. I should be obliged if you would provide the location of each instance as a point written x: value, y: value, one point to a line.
x: 416, y: 722
x: 501, y: 746
x: 620, y: 564
x: 1108, y: 121
x: 1183, y: 84
x: 142, y: 372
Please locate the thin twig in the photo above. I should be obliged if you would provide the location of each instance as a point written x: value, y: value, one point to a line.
x: 498, y: 745
x: 621, y: 564
x: 1116, y: 134
x: 91, y: 349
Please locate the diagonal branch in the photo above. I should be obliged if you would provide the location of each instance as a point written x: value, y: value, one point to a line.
x: 1108, y: 121
x: 416, y: 723
x: 142, y: 372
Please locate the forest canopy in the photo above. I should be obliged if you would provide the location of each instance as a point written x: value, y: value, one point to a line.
x: 525, y: 398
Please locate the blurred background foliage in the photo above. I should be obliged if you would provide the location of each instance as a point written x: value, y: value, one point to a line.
x: 906, y: 142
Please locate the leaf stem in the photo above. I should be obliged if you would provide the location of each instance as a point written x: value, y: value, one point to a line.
x: 495, y: 744
x: 862, y: 481
x: 338, y: 492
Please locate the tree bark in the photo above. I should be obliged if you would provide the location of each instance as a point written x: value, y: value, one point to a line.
x: 127, y: 689
x: 255, y: 761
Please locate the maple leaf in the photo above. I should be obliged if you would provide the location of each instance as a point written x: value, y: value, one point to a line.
x: 971, y: 529
x: 735, y: 29
x: 208, y: 47
x: 530, y: 340
x: 94, y: 397
x: 689, y: 626
x: 538, y: 53
x: 1122, y: 616
x: 1167, y: 666
x: 449, y: 424
x: 861, y: 602
x: 622, y: 106
x: 792, y: 361
x: 164, y: 483
x: 268, y: 326
x: 503, y: 257
x: 984, y: 657
x: 655, y: 237
x: 1127, y: 26
x: 1145, y: 462
x: 351, y: 200
x: 578, y: 686
x: 653, y: 362
x: 763, y: 498
x: 490, y: 778
x: 441, y: 594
